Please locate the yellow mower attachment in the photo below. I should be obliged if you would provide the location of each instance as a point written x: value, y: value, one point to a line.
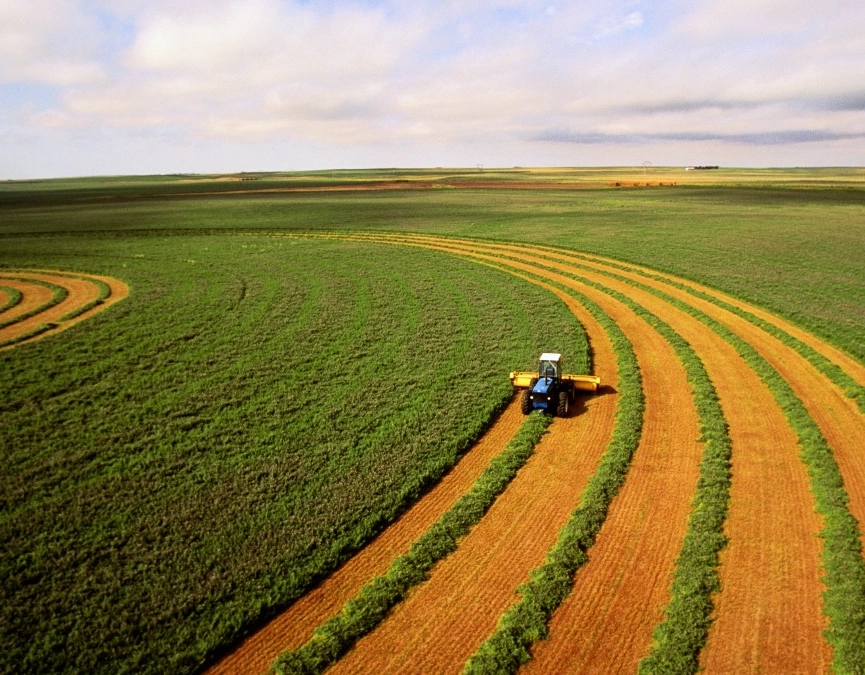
x: 548, y: 389
x: 522, y: 379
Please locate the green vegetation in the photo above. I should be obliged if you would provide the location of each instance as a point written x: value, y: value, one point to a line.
x: 58, y: 295
x: 679, y: 639
x: 790, y: 241
x: 182, y: 466
x: 13, y: 298
x: 364, y: 612
x: 526, y: 621
x: 179, y: 468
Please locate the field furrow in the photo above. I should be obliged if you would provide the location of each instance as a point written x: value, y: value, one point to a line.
x: 290, y: 629
x: 771, y: 568
x: 33, y: 298
x: 468, y: 590
x: 619, y: 595
x: 771, y: 572
x: 37, y: 315
x: 837, y: 415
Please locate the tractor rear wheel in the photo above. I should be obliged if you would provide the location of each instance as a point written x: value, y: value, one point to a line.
x: 563, y: 404
x: 525, y: 402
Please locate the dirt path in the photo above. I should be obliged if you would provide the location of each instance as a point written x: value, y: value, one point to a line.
x: 769, y: 614
x: 444, y: 620
x: 836, y: 414
x: 81, y: 290
x: 293, y: 627
x: 771, y: 568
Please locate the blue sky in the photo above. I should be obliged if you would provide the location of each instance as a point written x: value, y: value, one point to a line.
x: 156, y: 86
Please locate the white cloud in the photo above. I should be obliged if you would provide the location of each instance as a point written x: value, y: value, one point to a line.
x: 356, y: 75
x: 48, y: 43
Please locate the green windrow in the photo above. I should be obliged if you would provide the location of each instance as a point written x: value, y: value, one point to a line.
x: 526, y: 621
x: 842, y: 550
x: 186, y: 464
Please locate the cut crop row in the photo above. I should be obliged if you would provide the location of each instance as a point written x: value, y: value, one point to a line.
x: 58, y: 295
x: 13, y: 298
x: 363, y: 613
x: 852, y: 388
x: 680, y: 638
x: 846, y: 630
x: 239, y: 426
x: 526, y: 621
x: 842, y: 558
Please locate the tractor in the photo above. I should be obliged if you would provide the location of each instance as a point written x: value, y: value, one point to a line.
x: 549, y: 389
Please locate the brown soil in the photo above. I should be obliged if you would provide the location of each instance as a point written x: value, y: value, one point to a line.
x: 770, y: 483
x: 81, y: 291
x: 837, y: 415
x: 769, y: 614
x: 33, y: 297
x: 771, y: 604
x: 293, y: 627
x: 468, y: 591
x: 377, y: 186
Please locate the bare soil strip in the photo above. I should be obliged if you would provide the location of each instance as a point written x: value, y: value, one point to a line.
x: 294, y: 627
x: 838, y: 417
x: 771, y: 568
x: 34, y: 296
x: 772, y: 563
x: 444, y: 620
x: 769, y: 615
x: 81, y: 291
x: 850, y: 365
x: 619, y: 595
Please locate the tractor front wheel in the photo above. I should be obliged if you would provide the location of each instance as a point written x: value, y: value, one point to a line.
x: 563, y: 404
x: 525, y: 402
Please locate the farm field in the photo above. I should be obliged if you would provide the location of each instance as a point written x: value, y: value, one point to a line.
x: 303, y: 402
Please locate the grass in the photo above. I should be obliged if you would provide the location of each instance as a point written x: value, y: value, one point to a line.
x: 526, y: 621
x: 364, y: 612
x: 179, y: 468
x: 222, y: 390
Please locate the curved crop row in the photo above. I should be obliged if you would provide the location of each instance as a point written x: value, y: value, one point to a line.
x: 526, y: 621
x: 13, y: 297
x: 364, y: 612
x: 842, y: 638
x: 74, y: 297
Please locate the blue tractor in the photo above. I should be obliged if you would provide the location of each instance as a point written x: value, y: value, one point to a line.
x: 549, y: 389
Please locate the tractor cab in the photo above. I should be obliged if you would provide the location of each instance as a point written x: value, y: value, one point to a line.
x: 548, y: 368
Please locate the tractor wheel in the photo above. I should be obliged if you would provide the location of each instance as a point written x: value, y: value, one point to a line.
x: 525, y: 402
x: 533, y: 382
x: 563, y: 404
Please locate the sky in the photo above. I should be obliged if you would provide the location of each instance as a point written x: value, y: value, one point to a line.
x: 107, y: 87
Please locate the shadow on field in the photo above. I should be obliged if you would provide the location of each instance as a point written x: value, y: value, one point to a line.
x: 578, y: 405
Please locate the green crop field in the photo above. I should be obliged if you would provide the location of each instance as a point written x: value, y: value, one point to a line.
x: 182, y: 466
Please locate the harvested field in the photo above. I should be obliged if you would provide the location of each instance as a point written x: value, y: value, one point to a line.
x: 292, y: 628
x: 52, y: 301
x: 770, y: 614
